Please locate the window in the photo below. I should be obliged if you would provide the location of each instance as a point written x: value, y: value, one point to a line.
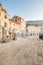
x: 16, y: 17
x: 41, y: 29
x: 5, y: 17
x: 10, y: 23
x: 5, y: 24
x: 15, y: 20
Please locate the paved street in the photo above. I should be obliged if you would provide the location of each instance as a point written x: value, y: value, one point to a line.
x: 22, y: 52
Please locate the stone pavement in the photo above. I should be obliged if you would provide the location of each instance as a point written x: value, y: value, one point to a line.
x: 22, y: 52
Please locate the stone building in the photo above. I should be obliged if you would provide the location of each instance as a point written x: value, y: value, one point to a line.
x: 4, y: 20
x: 35, y: 30
x: 18, y: 23
x: 4, y: 17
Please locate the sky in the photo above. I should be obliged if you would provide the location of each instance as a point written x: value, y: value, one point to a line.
x: 27, y: 9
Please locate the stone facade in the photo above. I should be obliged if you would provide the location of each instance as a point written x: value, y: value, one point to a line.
x: 4, y: 20
x: 16, y: 24
x: 4, y: 17
x: 35, y: 30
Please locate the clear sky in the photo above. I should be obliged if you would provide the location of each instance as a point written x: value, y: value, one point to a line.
x: 28, y: 9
